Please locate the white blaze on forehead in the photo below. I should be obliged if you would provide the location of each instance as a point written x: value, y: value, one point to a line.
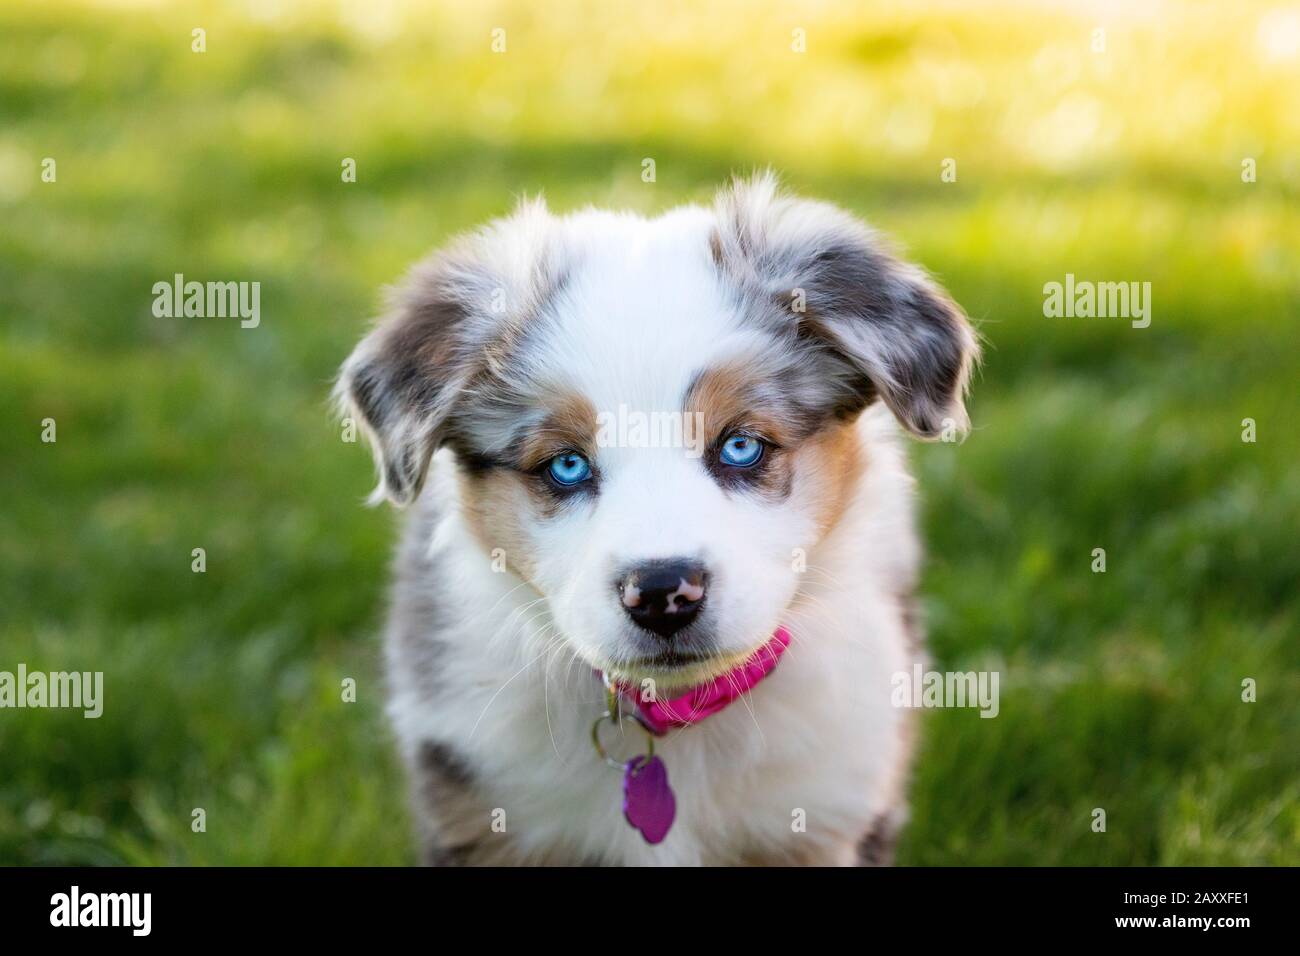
x: 641, y: 311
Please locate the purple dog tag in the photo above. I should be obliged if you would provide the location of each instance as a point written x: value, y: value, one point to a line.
x: 648, y: 801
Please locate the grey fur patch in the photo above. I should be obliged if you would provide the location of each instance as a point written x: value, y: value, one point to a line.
x: 435, y: 854
x: 879, y: 326
x: 876, y: 848
x: 418, y: 606
x: 450, y: 330
x: 440, y: 762
x: 444, y: 793
x: 913, y: 621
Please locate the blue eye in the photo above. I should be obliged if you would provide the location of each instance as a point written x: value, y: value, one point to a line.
x: 569, y: 468
x: 741, y: 451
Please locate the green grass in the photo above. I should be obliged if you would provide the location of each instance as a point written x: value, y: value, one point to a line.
x: 1119, y: 690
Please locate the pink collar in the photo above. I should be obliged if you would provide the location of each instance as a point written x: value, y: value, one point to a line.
x: 660, y: 716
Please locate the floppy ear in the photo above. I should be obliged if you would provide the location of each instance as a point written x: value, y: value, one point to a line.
x: 402, y: 383
x: 891, y: 331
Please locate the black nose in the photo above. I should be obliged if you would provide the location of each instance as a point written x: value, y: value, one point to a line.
x: 664, y: 596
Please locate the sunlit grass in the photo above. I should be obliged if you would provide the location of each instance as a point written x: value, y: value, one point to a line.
x: 1120, y: 690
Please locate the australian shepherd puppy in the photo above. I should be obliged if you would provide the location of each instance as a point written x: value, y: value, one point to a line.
x: 659, y: 555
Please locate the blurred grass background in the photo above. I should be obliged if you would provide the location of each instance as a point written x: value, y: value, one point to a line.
x: 1120, y: 690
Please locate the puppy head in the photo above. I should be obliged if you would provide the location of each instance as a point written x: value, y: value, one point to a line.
x: 651, y: 416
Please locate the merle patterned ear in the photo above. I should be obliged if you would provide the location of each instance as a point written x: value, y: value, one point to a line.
x: 902, y: 337
x: 400, y: 381
x: 404, y: 380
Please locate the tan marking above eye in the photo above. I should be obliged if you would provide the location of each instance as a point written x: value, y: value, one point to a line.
x: 726, y: 397
x: 568, y: 425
